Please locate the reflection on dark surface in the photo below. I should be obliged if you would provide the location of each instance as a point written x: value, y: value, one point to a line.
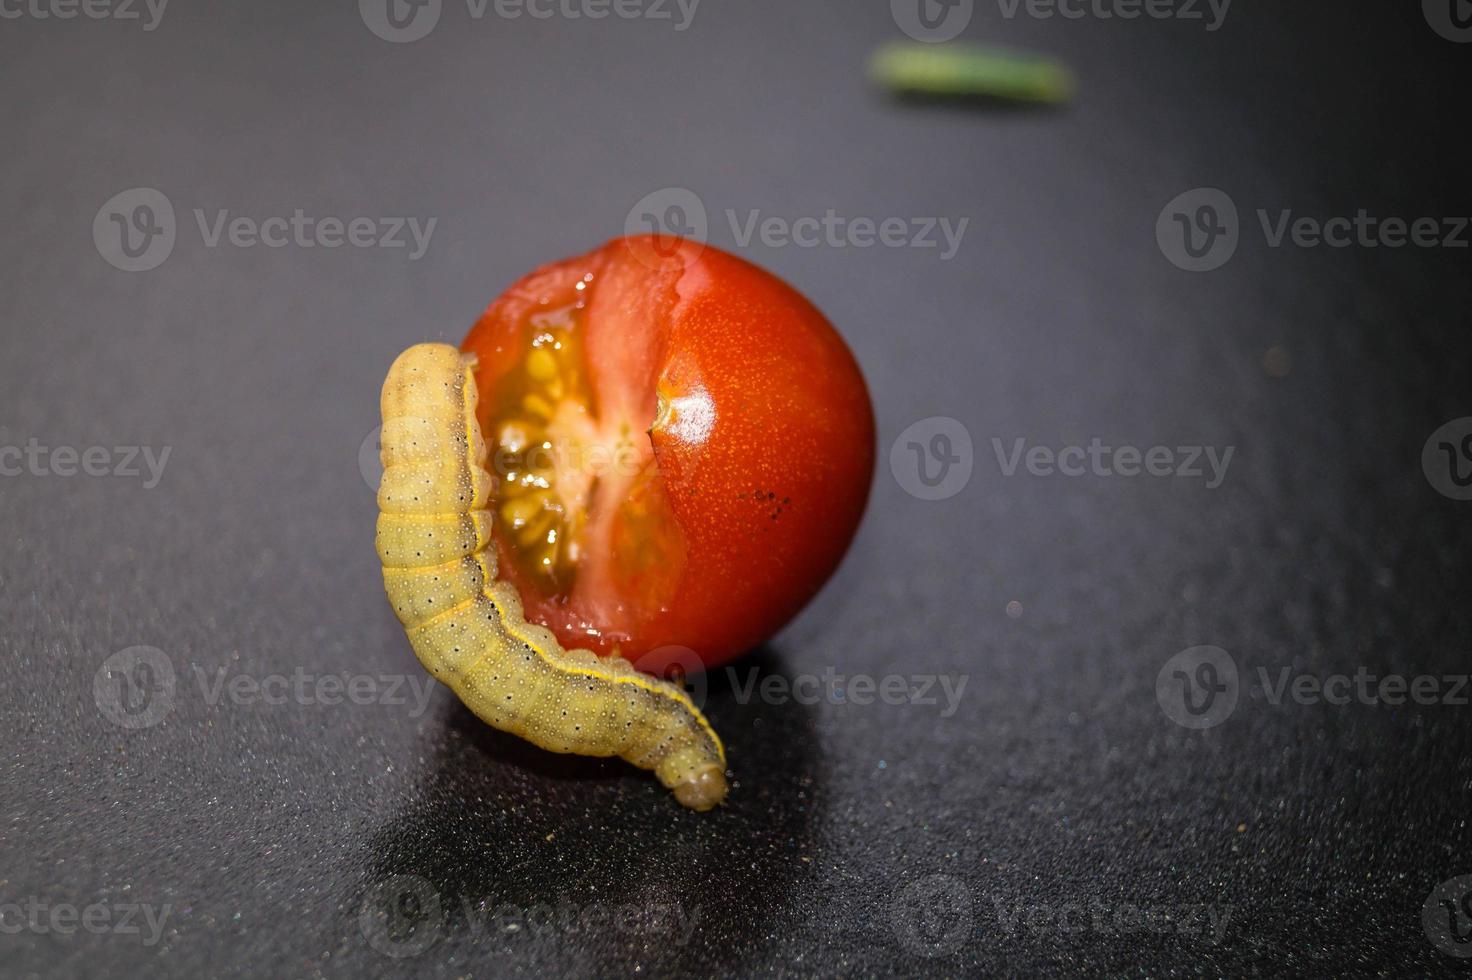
x: 992, y: 104
x: 541, y: 854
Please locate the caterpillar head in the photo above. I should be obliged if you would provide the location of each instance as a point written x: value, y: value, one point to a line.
x: 695, y: 771
x: 703, y: 789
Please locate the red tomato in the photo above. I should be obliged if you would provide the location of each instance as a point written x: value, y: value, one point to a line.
x: 683, y: 444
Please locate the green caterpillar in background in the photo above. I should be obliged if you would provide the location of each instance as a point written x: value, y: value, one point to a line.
x: 467, y: 628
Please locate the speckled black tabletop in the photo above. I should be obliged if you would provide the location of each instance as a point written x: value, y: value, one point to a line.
x: 1194, y: 710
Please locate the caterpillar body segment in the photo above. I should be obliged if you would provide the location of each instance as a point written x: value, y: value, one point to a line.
x: 467, y: 627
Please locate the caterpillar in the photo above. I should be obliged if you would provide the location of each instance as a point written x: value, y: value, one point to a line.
x: 467, y: 627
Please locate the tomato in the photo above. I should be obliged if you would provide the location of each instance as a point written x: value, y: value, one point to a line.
x: 683, y: 448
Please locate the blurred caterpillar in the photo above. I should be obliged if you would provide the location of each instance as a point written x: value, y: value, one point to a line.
x: 467, y: 627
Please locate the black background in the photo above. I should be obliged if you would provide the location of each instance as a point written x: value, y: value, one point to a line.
x: 1059, y: 781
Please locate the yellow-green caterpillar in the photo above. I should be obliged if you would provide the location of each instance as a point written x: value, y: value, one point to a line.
x: 467, y: 628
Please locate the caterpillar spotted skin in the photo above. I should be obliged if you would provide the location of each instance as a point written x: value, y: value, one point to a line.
x: 466, y: 626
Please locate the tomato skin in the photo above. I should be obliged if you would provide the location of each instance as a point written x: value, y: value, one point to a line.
x: 762, y: 433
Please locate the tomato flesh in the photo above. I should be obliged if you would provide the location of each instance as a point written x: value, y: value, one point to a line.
x: 683, y: 447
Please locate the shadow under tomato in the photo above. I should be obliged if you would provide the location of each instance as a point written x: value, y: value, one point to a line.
x: 546, y: 857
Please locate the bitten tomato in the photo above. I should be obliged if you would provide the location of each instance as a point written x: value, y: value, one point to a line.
x: 683, y: 445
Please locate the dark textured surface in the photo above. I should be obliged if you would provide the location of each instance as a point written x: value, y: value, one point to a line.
x: 265, y: 828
